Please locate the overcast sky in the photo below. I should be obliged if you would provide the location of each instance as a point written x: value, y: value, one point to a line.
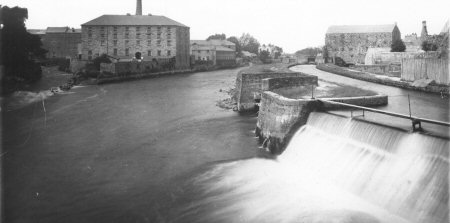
x: 290, y: 24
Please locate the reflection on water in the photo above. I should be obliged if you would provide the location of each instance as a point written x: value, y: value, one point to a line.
x: 334, y: 170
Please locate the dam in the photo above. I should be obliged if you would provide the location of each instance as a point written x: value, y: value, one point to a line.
x: 335, y: 169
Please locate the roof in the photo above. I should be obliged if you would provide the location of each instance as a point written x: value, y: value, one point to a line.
x: 132, y: 20
x: 222, y: 48
x: 37, y: 31
x: 62, y: 30
x: 56, y: 29
x: 214, y: 42
x: 199, y: 47
x: 362, y: 29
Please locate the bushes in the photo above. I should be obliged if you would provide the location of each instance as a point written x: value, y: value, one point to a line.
x: 398, y: 46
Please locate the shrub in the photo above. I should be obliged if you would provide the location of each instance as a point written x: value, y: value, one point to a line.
x: 427, y: 46
x: 398, y: 46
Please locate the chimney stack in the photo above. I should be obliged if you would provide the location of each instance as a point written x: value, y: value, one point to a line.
x: 139, y: 7
x: 424, y: 32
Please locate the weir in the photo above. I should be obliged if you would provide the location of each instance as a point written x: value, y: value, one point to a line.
x: 334, y: 169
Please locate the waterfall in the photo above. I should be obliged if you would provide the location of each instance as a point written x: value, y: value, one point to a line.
x: 404, y: 173
x: 335, y: 169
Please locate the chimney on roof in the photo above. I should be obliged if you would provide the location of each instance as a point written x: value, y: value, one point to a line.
x: 138, y: 7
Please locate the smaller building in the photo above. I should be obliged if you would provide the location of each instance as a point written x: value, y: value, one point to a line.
x: 218, y: 52
x: 62, y: 42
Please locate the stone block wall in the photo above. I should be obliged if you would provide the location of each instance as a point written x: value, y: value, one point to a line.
x: 352, y: 47
x: 269, y: 84
x: 248, y: 85
x: 153, y: 42
x: 280, y: 117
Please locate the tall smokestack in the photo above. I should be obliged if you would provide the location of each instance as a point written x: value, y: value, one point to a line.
x: 424, y: 33
x: 139, y: 7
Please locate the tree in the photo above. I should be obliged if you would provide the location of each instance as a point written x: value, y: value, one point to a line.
x: 217, y: 36
x: 20, y: 49
x: 249, y: 43
x: 264, y: 55
x: 325, y: 53
x: 398, y: 46
x: 427, y: 46
x: 235, y: 40
x: 309, y: 51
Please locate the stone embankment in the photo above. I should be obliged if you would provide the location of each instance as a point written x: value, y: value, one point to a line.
x: 249, y: 83
x: 280, y: 117
x: 432, y: 88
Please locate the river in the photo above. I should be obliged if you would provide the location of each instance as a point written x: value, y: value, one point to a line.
x: 103, y: 153
x: 160, y: 150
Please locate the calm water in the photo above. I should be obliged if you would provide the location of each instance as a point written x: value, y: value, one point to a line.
x: 159, y: 150
x: 104, y: 153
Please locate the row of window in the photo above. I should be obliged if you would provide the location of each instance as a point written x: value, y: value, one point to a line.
x: 138, y: 42
x: 127, y: 32
x: 127, y: 53
x: 149, y: 53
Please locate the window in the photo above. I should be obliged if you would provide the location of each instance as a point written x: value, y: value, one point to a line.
x: 169, y: 43
x: 115, y: 29
x: 90, y: 32
x: 149, y: 53
x: 138, y: 42
x: 138, y: 29
x: 158, y: 42
x: 115, y: 52
x: 127, y: 52
x: 127, y: 42
x: 90, y: 55
x: 168, y: 52
x: 115, y: 42
x: 159, y: 52
x: 199, y: 51
x: 149, y: 42
x: 102, y: 35
x: 102, y: 42
x: 127, y: 35
x: 138, y: 35
x: 115, y: 35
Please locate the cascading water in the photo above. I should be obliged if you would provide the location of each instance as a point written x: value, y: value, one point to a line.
x: 335, y: 169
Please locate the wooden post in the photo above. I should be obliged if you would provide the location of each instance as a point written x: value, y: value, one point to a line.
x: 409, y: 105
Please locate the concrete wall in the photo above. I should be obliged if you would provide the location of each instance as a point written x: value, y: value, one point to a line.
x: 431, y: 68
x: 62, y: 45
x: 249, y: 85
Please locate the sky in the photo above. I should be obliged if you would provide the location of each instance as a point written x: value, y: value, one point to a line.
x: 290, y: 24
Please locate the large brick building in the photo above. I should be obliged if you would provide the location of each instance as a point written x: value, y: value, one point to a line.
x: 352, y: 42
x: 147, y: 37
x: 62, y: 42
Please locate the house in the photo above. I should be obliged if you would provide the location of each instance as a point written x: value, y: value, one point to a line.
x: 62, y: 42
x: 219, y: 52
x: 144, y: 37
x: 351, y: 43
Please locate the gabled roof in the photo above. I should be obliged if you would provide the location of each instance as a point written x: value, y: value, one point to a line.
x: 56, y: 29
x: 132, y: 20
x: 37, y: 31
x: 362, y: 29
x: 213, y: 42
x: 222, y: 48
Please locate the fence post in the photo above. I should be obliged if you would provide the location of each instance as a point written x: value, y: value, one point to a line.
x: 409, y: 105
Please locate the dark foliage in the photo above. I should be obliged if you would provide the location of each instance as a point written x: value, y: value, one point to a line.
x: 398, y: 46
x: 235, y: 40
x: 101, y: 59
x: 20, y: 49
x: 217, y: 36
x: 264, y: 56
x: 427, y: 46
x: 310, y: 51
x: 249, y: 43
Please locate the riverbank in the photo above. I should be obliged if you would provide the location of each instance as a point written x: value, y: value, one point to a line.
x: 443, y: 90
